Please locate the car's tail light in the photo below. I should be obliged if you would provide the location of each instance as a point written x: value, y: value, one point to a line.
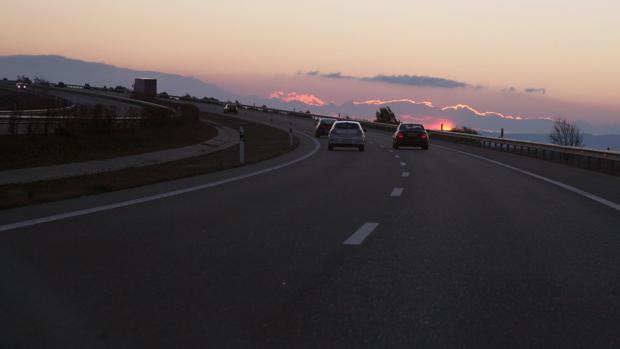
x: 423, y: 136
x: 400, y: 135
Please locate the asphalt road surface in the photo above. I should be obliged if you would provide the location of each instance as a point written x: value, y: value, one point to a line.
x: 318, y: 249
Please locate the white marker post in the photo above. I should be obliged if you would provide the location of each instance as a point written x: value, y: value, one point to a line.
x: 290, y: 136
x: 241, y: 145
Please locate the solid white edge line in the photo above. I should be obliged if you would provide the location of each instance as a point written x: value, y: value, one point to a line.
x: 397, y: 192
x: 570, y: 188
x: 361, y: 234
x: 142, y: 200
x: 405, y: 174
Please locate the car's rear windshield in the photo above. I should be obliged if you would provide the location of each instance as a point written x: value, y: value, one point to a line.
x: 412, y: 127
x: 347, y: 126
x: 327, y: 121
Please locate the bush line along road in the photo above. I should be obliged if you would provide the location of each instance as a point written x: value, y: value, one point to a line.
x: 384, y: 248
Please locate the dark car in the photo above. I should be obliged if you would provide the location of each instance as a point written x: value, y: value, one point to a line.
x: 410, y: 135
x: 323, y: 126
x: 231, y: 108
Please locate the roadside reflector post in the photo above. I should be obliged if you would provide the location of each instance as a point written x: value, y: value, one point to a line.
x: 290, y: 136
x: 502, y: 133
x: 241, y: 145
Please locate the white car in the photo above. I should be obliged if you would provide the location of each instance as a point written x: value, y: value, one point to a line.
x: 346, y: 134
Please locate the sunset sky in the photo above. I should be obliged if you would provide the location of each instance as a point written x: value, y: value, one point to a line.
x: 569, y: 48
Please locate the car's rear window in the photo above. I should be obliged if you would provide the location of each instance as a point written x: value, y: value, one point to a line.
x: 327, y: 121
x: 411, y: 127
x: 347, y: 126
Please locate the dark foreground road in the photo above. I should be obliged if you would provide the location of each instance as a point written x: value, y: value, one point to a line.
x: 470, y: 254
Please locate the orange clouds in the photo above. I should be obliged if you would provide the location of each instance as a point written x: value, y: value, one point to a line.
x: 478, y: 113
x: 381, y: 102
x: 305, y: 98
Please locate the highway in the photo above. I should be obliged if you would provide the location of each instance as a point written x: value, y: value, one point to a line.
x: 315, y: 249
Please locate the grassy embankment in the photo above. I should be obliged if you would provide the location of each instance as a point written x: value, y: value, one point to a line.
x: 44, y: 150
x: 263, y: 142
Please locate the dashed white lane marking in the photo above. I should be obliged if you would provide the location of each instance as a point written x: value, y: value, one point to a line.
x: 381, y: 146
x: 391, y: 151
x: 403, y: 163
x: 142, y: 200
x: 397, y: 192
x: 397, y: 156
x: 405, y: 174
x: 577, y: 191
x: 361, y: 234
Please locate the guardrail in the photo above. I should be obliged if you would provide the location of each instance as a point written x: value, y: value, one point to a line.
x: 593, y: 159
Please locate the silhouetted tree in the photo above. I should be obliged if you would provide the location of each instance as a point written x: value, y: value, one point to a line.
x: 566, y: 133
x: 386, y: 116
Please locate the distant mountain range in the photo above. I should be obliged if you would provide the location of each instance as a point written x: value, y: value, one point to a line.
x: 72, y: 71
